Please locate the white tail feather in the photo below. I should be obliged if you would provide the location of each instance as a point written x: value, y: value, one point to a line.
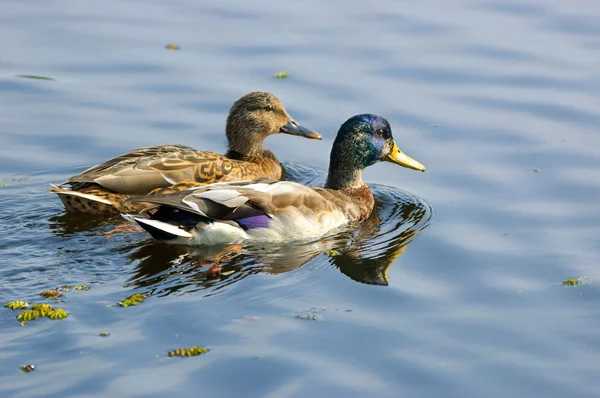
x: 163, y: 226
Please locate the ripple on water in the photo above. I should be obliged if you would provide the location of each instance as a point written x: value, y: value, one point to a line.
x: 76, y: 251
x: 364, y: 253
x: 47, y: 247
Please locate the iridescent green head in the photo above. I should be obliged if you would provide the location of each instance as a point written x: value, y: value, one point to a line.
x: 362, y: 141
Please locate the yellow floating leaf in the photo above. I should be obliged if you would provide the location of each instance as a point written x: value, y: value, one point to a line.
x: 16, y: 305
x: 187, y: 352
x: 281, y: 75
x: 172, y: 47
x: 81, y: 287
x: 132, y: 300
x: 51, y: 294
x: 58, y: 314
x: 332, y: 253
x: 27, y: 315
x: 42, y: 309
x: 41, y: 306
x: 584, y: 280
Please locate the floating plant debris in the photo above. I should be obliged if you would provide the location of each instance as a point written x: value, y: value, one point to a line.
x: 187, y: 352
x: 35, y: 77
x: 57, y: 314
x: 27, y: 368
x: 537, y: 170
x: 332, y: 253
x: 132, y: 300
x: 311, y: 316
x: 51, y: 294
x: 66, y: 288
x: 28, y: 315
x: 42, y: 309
x: 584, y: 280
x: 172, y: 46
x: 281, y: 75
x: 16, y: 305
x: 104, y: 334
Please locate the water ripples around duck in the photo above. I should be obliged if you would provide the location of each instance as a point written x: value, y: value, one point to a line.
x: 364, y: 254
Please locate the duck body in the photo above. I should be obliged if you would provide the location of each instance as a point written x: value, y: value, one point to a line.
x: 106, y: 187
x: 260, y: 211
x: 278, y: 211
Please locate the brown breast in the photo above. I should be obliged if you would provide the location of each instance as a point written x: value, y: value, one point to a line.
x: 356, y: 203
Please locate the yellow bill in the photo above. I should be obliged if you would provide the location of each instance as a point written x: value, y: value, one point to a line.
x: 398, y: 157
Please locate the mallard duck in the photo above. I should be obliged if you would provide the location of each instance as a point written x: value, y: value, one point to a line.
x: 105, y: 188
x: 266, y: 210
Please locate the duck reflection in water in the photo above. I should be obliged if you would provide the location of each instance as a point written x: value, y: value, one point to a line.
x: 364, y: 254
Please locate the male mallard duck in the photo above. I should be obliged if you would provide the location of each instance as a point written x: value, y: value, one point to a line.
x: 105, y: 188
x: 276, y: 211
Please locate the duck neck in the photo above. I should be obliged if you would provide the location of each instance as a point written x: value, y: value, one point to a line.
x: 340, y: 178
x: 251, y: 156
x: 248, y: 147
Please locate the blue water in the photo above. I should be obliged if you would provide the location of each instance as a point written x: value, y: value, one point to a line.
x: 452, y: 289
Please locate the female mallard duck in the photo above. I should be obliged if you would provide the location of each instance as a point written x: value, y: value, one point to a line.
x: 106, y: 187
x: 268, y: 210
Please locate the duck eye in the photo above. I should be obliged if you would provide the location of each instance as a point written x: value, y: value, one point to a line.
x: 379, y: 133
x: 269, y: 108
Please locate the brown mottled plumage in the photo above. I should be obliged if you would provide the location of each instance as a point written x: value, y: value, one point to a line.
x: 271, y: 210
x: 106, y: 187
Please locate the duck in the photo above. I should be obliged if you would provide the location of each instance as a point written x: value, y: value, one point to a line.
x: 268, y: 211
x: 105, y: 188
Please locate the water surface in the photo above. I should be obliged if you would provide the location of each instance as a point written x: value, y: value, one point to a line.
x: 457, y: 294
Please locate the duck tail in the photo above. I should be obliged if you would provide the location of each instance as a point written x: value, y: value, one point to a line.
x: 83, y: 202
x: 159, y: 230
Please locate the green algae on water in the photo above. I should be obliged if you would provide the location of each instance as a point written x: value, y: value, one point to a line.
x: 42, y: 309
x: 16, y: 305
x: 187, y: 352
x: 58, y: 314
x: 66, y: 288
x: 132, y: 300
x: 51, y: 294
x: 27, y: 316
x: 584, y: 280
